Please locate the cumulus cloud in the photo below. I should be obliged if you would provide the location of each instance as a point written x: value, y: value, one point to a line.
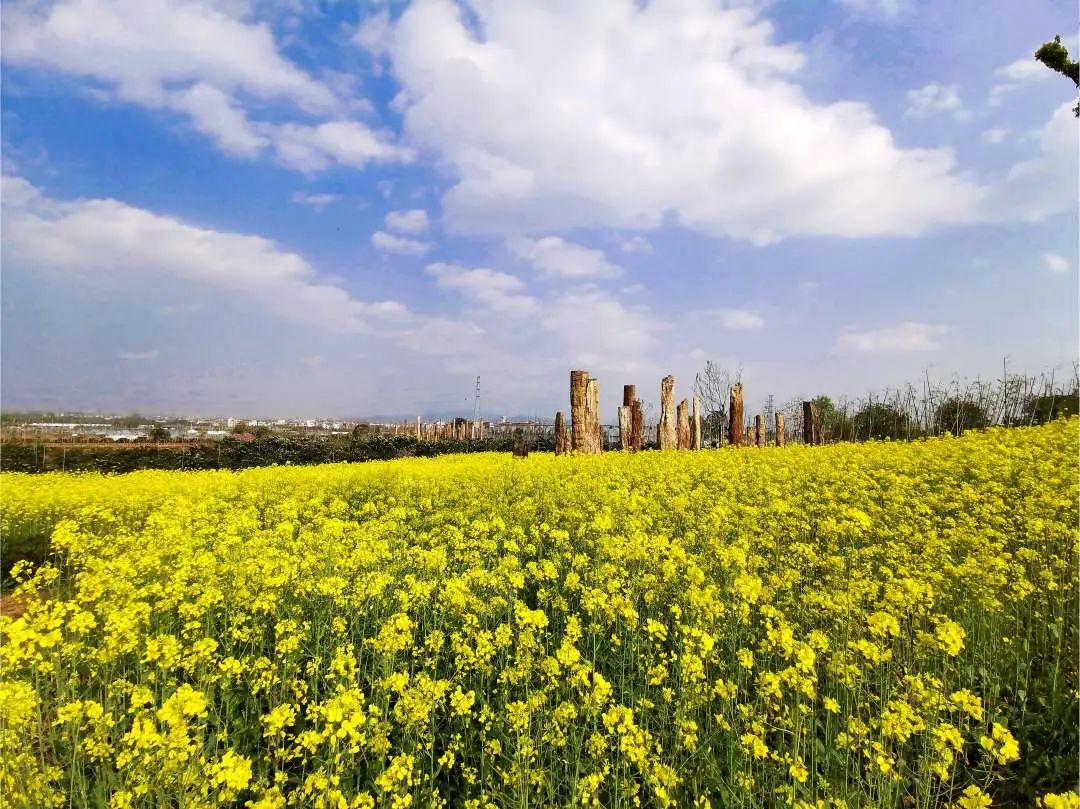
x: 389, y: 243
x: 198, y: 59
x: 107, y: 241
x: 903, y: 338
x: 994, y: 135
x: 685, y: 108
x: 348, y: 143
x: 215, y: 114
x: 1055, y: 263
x: 935, y: 99
x: 554, y: 257
x: 413, y: 221
x: 497, y: 291
x: 143, y: 49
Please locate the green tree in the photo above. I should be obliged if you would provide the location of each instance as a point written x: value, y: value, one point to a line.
x: 956, y: 415
x: 1056, y: 57
x: 1041, y: 409
x: 835, y: 423
x: 879, y: 421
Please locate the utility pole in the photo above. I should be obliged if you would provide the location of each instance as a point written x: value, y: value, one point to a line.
x: 476, y: 407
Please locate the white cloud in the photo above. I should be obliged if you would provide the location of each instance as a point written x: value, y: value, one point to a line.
x: 498, y: 291
x: 412, y: 221
x: 216, y: 115
x: 889, y: 9
x: 906, y: 337
x: 935, y: 99
x: 140, y: 356
x: 314, y: 200
x: 737, y: 319
x: 1043, y: 185
x: 348, y: 143
x: 389, y: 243
x: 615, y: 132
x: 143, y: 49
x: 106, y: 241
x: 1017, y: 74
x: 196, y: 58
x: 637, y: 244
x: 994, y: 135
x: 596, y: 330
x: 1024, y: 71
x: 1055, y: 263
x: 554, y: 257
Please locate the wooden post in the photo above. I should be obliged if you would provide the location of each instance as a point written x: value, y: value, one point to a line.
x: 780, y: 437
x: 735, y: 416
x: 759, y: 430
x: 579, y: 402
x: 625, y: 427
x: 595, y: 436
x: 666, y: 431
x: 521, y: 449
x: 695, y: 427
x: 682, y: 425
x: 811, y: 424
x: 629, y: 395
x: 562, y: 440
x: 419, y: 430
x: 637, y: 425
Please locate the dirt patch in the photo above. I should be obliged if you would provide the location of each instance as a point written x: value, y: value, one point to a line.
x: 12, y: 606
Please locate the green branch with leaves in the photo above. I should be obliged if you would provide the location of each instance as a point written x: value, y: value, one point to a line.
x: 1056, y: 57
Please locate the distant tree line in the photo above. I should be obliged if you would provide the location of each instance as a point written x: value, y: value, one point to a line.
x: 234, y: 453
x: 925, y: 409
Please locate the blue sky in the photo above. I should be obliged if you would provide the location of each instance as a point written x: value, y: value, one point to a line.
x: 300, y: 209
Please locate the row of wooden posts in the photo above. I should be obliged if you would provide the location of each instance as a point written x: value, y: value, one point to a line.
x: 679, y: 427
x: 453, y: 430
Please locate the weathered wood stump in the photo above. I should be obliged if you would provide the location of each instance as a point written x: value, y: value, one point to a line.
x: 811, y: 424
x: 637, y: 425
x: 625, y: 427
x: 562, y: 439
x: 666, y: 430
x: 521, y: 448
x: 682, y: 425
x: 735, y: 416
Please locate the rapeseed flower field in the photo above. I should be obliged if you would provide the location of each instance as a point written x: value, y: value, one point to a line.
x: 875, y: 625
